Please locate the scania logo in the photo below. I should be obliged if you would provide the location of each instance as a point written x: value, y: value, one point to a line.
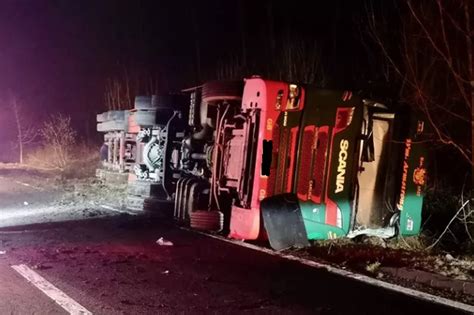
x: 341, y: 168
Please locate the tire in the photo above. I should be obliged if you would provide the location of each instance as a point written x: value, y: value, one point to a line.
x: 115, y: 115
x: 145, y: 117
x: 101, y: 117
x: 215, y: 91
x: 143, y: 102
x: 112, y: 125
x: 207, y: 220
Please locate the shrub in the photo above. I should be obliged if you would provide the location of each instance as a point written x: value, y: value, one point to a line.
x: 58, y: 141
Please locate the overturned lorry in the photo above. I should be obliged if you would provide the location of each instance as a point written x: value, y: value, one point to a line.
x: 297, y: 163
x: 290, y: 163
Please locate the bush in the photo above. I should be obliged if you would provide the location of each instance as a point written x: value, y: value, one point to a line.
x: 440, y: 207
x: 84, y: 161
x: 60, y: 151
x: 59, y: 139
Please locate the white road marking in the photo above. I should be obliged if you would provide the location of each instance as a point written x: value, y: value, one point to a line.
x: 24, y: 184
x: 28, y: 185
x: 349, y: 274
x: 21, y: 231
x: 61, y: 298
x: 117, y: 210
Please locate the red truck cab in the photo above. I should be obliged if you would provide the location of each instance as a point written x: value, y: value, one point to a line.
x: 271, y: 111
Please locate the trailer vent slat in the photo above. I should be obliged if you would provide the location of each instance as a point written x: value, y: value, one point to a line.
x: 319, y: 165
x: 305, y: 162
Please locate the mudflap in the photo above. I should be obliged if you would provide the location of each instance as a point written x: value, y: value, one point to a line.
x: 244, y: 223
x: 283, y: 222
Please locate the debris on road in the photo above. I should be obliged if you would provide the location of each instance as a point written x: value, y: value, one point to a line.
x: 162, y: 242
x: 3, y: 252
x: 41, y: 266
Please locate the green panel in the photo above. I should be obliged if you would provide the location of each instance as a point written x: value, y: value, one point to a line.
x: 410, y: 219
x: 314, y: 218
x: 346, y: 210
x: 410, y: 201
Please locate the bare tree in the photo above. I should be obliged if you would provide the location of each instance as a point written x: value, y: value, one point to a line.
x: 231, y: 69
x: 117, y: 94
x: 121, y: 89
x: 297, y: 61
x: 26, y: 131
x: 300, y: 61
x: 433, y: 59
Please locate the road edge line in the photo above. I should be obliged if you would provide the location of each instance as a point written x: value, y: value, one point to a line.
x: 348, y: 274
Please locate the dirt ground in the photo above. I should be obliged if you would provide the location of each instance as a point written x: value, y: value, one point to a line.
x: 379, y: 259
x: 30, y: 196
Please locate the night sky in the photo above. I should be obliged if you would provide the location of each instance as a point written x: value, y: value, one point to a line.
x: 56, y: 55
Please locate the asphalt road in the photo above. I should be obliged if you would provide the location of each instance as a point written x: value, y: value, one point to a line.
x: 114, y: 266
x: 109, y: 263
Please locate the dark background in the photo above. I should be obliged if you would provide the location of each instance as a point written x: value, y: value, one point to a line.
x: 56, y: 55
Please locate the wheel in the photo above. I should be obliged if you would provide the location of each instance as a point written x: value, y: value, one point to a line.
x: 145, y: 117
x: 115, y: 115
x: 221, y: 91
x: 101, y: 117
x: 143, y: 102
x: 207, y: 220
x: 112, y: 125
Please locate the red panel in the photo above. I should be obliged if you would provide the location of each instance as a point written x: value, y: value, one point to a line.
x: 343, y: 118
x: 319, y: 164
x: 331, y: 212
x: 305, y: 162
x: 275, y: 145
x: 282, y: 156
x: 245, y: 223
x: 291, y: 167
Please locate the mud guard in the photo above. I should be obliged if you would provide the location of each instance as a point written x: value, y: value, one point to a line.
x: 245, y: 223
x: 283, y: 222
